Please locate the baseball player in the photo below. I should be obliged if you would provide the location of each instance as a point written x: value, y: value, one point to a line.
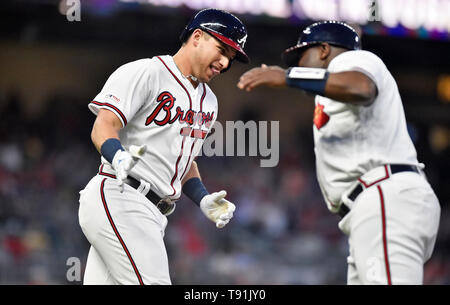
x: 366, y: 163
x: 152, y: 118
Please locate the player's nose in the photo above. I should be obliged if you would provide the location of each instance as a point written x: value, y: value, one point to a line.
x: 224, y: 61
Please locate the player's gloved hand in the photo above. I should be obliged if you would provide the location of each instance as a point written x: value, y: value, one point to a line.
x: 124, y: 161
x: 217, y: 208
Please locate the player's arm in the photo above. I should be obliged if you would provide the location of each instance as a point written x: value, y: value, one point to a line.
x: 214, y: 206
x: 192, y: 185
x: 106, y: 126
x: 351, y: 87
x: 346, y: 87
x: 105, y: 136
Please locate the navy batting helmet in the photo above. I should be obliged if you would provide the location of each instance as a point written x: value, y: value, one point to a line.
x: 333, y: 32
x: 223, y: 26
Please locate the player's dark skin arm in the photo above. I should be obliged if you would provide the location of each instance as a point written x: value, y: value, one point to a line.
x: 346, y: 87
x: 106, y: 126
x: 351, y: 87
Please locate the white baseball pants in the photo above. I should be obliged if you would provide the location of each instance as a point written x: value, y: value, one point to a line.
x: 392, y: 228
x: 126, y: 233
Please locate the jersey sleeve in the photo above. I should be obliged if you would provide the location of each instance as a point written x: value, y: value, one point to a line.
x: 125, y: 91
x: 362, y: 61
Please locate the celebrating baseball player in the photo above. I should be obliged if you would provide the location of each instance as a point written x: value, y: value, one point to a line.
x: 366, y: 163
x: 152, y: 118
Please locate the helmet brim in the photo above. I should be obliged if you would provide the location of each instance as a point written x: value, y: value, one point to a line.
x: 292, y: 55
x: 240, y: 54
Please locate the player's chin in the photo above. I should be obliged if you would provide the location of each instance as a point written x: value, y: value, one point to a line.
x: 210, y: 77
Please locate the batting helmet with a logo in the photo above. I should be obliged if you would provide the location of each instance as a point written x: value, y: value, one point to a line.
x: 333, y: 32
x: 223, y: 26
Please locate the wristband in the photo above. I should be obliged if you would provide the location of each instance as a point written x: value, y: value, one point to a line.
x: 309, y: 79
x: 109, y: 148
x: 195, y: 190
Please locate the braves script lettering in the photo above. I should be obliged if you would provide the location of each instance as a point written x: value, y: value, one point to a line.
x: 166, y: 103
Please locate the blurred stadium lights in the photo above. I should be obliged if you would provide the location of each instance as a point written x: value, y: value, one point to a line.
x: 439, y: 138
x: 443, y: 88
x: 415, y: 18
x: 273, y: 8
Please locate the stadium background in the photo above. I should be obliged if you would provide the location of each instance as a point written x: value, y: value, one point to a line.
x: 282, y: 233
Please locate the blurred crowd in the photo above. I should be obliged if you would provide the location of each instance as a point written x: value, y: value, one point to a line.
x: 282, y: 232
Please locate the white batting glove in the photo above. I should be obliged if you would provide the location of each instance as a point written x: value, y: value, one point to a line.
x: 217, y: 208
x: 124, y: 161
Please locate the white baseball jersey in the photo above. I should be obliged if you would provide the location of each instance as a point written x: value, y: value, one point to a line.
x: 159, y: 107
x: 349, y: 139
x: 392, y: 223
